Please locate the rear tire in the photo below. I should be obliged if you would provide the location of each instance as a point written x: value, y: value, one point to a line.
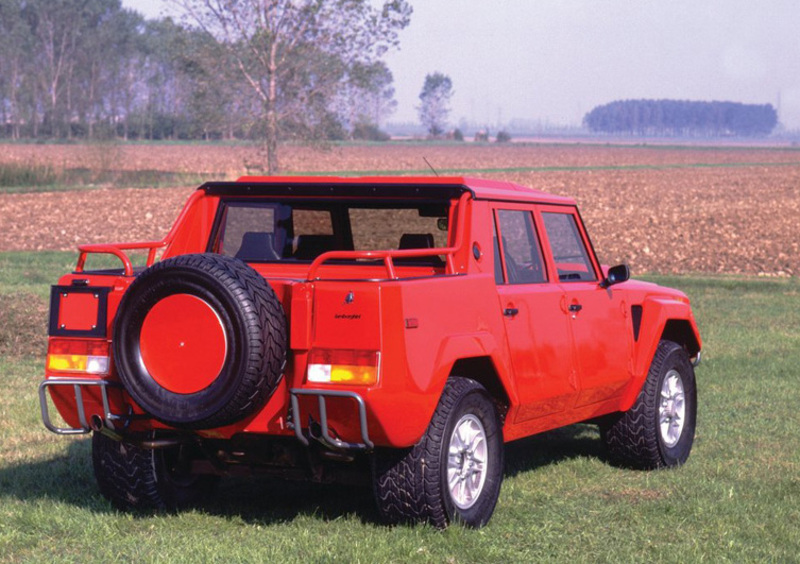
x: 134, y: 478
x: 658, y: 430
x: 454, y: 473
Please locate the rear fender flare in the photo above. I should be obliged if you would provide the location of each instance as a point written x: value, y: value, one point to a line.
x: 451, y: 350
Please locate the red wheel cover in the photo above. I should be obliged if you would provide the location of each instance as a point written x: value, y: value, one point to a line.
x: 183, y: 343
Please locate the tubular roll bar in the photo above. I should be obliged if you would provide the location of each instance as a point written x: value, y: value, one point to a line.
x: 118, y: 249
x: 389, y: 256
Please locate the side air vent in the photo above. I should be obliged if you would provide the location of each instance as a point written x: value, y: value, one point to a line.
x: 636, y: 317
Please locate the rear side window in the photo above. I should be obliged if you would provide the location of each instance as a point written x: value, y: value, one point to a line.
x: 522, y: 254
x: 569, y: 251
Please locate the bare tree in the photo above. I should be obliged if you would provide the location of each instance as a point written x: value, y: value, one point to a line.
x: 14, y: 47
x: 292, y: 53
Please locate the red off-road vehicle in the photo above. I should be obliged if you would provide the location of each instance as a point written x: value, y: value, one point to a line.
x: 398, y: 329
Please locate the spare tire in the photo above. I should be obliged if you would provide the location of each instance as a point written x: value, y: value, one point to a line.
x: 200, y: 341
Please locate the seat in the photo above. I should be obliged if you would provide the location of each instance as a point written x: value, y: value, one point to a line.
x: 257, y: 246
x: 310, y: 247
x: 418, y: 241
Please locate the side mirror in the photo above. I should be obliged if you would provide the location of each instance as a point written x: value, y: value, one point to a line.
x: 616, y: 274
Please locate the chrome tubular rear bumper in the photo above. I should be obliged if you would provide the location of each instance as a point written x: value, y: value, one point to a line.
x: 325, y: 434
x: 77, y: 385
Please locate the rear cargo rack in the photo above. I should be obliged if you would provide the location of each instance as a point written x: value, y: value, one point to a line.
x: 77, y: 385
x: 119, y: 249
x: 325, y: 435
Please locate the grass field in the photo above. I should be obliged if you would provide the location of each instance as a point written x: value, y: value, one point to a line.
x: 736, y: 500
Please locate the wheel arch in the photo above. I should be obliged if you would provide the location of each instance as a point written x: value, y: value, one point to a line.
x: 482, y: 370
x: 474, y: 356
x: 680, y: 331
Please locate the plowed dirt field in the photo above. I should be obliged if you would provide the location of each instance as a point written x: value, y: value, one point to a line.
x: 660, y: 209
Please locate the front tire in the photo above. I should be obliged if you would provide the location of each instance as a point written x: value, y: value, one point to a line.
x: 658, y: 430
x: 454, y: 473
x: 135, y: 478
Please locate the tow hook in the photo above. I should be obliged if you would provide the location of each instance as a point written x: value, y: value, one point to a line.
x: 696, y: 360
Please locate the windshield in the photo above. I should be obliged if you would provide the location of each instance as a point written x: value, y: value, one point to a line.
x: 301, y: 230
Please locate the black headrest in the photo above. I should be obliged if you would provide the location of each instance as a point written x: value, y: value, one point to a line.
x: 416, y: 241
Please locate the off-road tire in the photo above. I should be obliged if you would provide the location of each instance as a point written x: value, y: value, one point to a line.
x: 137, y: 479
x: 411, y: 485
x: 634, y: 438
x: 255, y: 329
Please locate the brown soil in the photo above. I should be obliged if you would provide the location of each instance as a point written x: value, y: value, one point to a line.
x: 22, y: 332
x: 741, y: 215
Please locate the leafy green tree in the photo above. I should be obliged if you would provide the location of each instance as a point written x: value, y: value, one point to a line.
x: 366, y: 99
x: 293, y: 54
x: 435, y: 102
x: 682, y: 118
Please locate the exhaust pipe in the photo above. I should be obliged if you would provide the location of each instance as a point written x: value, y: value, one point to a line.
x: 99, y: 426
x: 96, y: 423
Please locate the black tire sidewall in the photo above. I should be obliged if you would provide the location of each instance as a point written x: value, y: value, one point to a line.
x: 135, y: 478
x: 475, y: 402
x: 207, y: 407
x: 678, y: 360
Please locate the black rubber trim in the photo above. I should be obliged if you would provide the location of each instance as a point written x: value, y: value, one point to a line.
x: 321, y: 188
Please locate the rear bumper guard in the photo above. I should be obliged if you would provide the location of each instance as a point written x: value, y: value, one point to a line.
x: 325, y: 435
x: 78, y: 384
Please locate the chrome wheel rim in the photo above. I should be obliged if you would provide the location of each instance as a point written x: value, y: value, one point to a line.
x: 672, y: 409
x: 466, y: 461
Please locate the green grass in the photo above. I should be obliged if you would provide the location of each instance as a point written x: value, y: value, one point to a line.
x: 736, y: 500
x: 26, y: 178
x: 16, y: 174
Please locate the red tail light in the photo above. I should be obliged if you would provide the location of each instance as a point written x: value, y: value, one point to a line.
x: 73, y: 355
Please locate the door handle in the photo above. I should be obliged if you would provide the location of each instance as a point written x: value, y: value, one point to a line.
x: 510, y: 311
x: 575, y: 308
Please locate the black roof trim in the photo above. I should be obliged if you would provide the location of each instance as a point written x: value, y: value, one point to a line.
x: 322, y: 188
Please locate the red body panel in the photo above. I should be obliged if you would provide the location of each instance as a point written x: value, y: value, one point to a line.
x: 560, y: 351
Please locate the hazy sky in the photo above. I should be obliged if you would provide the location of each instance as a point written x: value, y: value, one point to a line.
x: 554, y: 60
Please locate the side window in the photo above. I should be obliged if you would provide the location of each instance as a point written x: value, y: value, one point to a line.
x: 522, y: 252
x: 569, y: 252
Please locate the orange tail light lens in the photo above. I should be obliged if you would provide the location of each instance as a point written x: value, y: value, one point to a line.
x: 70, y: 355
x: 353, y: 367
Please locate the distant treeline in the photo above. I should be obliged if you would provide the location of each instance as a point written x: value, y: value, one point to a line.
x: 93, y: 69
x: 682, y: 118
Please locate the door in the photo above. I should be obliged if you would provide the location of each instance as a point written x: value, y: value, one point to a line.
x: 598, y: 317
x: 537, y: 330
